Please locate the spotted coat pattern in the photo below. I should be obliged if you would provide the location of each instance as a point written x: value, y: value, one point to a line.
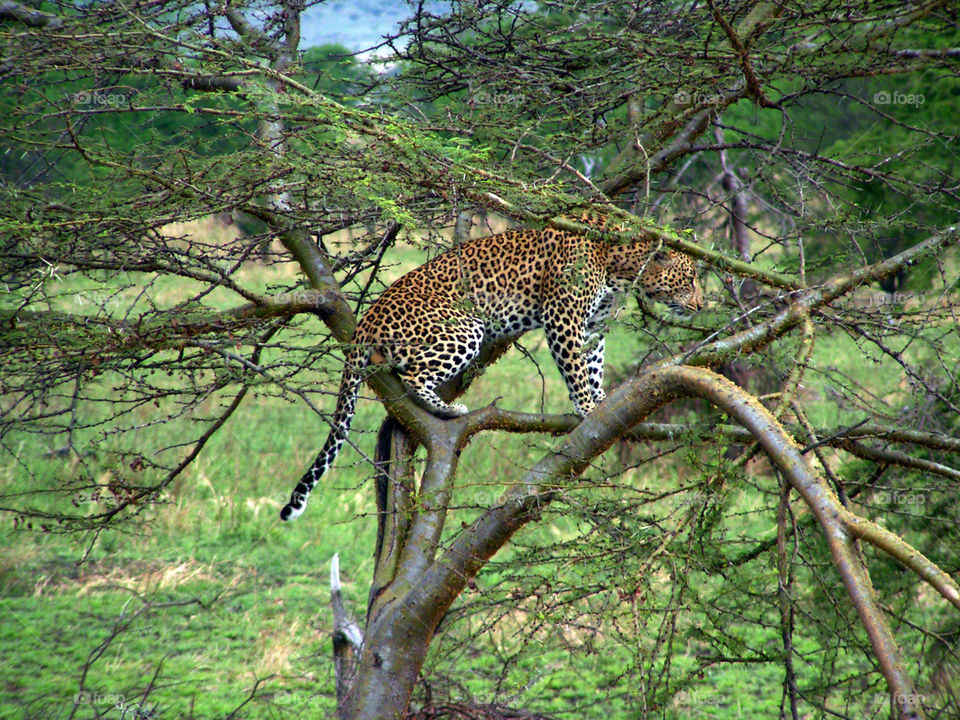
x: 431, y: 323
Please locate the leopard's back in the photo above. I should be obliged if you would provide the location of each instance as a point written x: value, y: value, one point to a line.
x: 498, y: 278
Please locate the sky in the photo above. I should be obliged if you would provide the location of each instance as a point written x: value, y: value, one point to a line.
x: 357, y: 24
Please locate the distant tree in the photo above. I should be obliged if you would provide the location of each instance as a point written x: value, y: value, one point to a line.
x: 700, y: 115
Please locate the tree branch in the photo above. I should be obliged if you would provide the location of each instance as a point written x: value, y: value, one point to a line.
x: 626, y: 406
x: 29, y: 16
x: 749, y: 75
x: 808, y: 301
x: 347, y: 638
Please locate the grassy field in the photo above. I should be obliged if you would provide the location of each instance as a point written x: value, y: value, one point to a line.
x: 214, y: 598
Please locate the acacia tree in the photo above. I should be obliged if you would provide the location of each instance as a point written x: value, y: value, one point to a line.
x: 120, y: 119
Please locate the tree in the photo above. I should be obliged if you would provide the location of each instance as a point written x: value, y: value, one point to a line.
x: 677, y: 111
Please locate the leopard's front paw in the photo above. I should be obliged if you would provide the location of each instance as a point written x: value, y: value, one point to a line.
x: 584, y: 408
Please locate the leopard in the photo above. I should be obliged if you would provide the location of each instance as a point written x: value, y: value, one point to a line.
x: 431, y: 323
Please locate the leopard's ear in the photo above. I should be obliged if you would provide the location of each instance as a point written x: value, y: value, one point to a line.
x: 661, y: 257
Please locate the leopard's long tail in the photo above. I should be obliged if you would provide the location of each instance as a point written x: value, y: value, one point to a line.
x: 357, y: 360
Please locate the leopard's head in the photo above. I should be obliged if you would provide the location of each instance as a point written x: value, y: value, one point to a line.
x: 671, y: 277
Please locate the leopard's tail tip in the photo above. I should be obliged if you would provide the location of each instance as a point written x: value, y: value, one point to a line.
x: 289, y: 512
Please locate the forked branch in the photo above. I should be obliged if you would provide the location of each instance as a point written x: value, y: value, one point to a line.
x: 628, y: 405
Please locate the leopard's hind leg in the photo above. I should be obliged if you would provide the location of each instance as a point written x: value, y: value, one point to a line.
x: 445, y: 352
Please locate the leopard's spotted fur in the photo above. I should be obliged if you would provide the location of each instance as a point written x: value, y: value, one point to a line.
x: 431, y: 323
